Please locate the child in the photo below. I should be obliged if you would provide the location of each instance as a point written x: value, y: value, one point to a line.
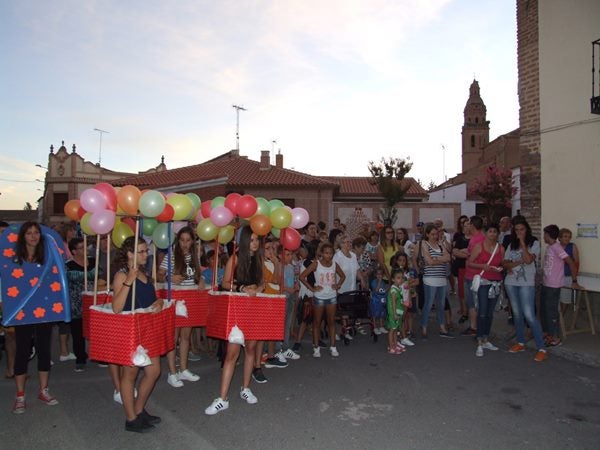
x: 378, y: 300
x: 207, y: 273
x: 290, y: 289
x: 411, y: 280
x: 395, y: 311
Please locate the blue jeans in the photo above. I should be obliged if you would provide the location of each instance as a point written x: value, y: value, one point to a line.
x: 469, y: 294
x: 433, y: 294
x: 485, y: 312
x: 549, y: 310
x: 522, y: 300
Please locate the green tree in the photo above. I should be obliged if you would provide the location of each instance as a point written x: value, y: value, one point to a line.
x: 495, y: 187
x: 388, y: 175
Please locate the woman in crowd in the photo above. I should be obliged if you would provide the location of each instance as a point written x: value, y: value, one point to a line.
x: 436, y: 258
x: 404, y: 242
x: 564, y: 238
x: 386, y: 249
x: 29, y: 249
x: 487, y: 257
x: 185, y: 272
x: 348, y: 262
x: 460, y: 242
x: 131, y: 261
x: 243, y: 273
x: 520, y: 262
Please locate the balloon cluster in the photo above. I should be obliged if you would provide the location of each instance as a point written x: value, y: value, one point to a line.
x: 105, y: 209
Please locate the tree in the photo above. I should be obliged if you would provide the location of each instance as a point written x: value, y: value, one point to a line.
x: 495, y: 187
x: 388, y: 176
x: 28, y: 207
x: 431, y: 185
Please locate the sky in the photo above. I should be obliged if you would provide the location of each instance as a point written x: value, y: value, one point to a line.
x: 334, y: 83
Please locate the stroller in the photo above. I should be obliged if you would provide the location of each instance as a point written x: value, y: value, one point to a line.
x: 355, y: 306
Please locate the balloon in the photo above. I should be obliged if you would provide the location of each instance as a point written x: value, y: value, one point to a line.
x: 148, y: 226
x: 199, y: 216
x: 102, y: 222
x: 92, y: 200
x: 221, y: 216
x: 128, y: 199
x: 181, y: 204
x: 160, y: 236
x: 276, y: 232
x: 280, y: 217
x: 167, y: 214
x: 274, y: 204
x: 85, y: 224
x: 129, y: 222
x: 246, y: 206
x: 299, y: 218
x: 207, y: 230
x: 71, y: 208
x: 262, y: 207
x: 119, y: 233
x: 109, y: 193
x: 226, y: 234
x: 231, y: 201
x: 290, y: 238
x: 261, y: 225
x: 152, y: 203
x: 217, y: 201
x: 81, y: 212
x: 178, y: 226
x: 205, y: 208
x: 195, y: 200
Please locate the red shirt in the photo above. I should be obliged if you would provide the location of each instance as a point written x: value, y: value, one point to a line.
x: 473, y: 241
x: 484, y: 257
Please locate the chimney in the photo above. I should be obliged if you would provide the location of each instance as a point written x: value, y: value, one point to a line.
x: 265, y: 160
x: 234, y: 153
x: 279, y: 160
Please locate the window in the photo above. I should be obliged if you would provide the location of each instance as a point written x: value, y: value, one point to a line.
x: 60, y: 200
x: 472, y: 141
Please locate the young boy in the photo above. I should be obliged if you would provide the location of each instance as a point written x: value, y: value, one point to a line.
x: 554, y: 261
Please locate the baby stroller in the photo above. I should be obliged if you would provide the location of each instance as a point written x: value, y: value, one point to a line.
x: 355, y: 306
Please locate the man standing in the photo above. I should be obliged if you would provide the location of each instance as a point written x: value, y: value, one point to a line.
x: 505, y: 230
x: 477, y: 237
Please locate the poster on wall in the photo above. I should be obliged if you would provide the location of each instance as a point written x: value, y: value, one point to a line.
x: 587, y: 230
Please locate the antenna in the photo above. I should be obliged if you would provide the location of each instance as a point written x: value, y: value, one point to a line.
x: 444, y: 162
x: 100, y: 151
x: 237, y: 125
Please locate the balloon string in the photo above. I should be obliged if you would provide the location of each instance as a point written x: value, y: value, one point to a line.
x: 169, y: 265
x: 85, y: 270
x: 97, y: 262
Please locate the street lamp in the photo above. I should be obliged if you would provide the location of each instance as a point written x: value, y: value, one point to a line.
x: 41, y: 167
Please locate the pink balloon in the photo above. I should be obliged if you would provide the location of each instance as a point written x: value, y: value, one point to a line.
x: 299, y: 218
x: 92, y: 200
x: 199, y: 216
x: 178, y: 225
x: 246, y: 206
x: 221, y: 216
x: 102, y: 222
x: 231, y: 201
x: 109, y: 194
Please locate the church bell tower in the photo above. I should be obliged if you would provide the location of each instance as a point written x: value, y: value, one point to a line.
x: 475, y: 130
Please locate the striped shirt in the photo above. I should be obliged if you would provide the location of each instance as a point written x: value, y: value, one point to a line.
x: 434, y: 274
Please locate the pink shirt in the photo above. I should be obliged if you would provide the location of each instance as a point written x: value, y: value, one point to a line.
x: 484, y: 257
x: 473, y: 241
x: 554, y: 265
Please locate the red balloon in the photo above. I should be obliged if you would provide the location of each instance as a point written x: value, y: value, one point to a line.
x: 261, y: 225
x: 205, y: 208
x: 290, y: 238
x: 166, y: 214
x: 81, y: 212
x: 246, y: 206
x: 109, y: 194
x: 129, y: 222
x: 231, y: 201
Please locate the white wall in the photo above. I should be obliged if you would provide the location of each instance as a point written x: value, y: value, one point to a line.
x: 570, y: 134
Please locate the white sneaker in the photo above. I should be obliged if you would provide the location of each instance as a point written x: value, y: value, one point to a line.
x: 333, y: 351
x: 337, y: 337
x: 377, y: 331
x: 174, y: 381
x: 186, y: 375
x: 117, y: 396
x: 291, y: 354
x: 316, y: 352
x: 246, y: 394
x: 489, y: 346
x: 479, y: 351
x: 217, y: 406
x: 407, y: 342
x: 69, y: 357
x: 383, y: 330
x: 348, y: 336
x: 280, y: 356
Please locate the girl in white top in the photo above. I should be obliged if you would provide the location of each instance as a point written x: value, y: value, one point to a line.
x: 328, y: 278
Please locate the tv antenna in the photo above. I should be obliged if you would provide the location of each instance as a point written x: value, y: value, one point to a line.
x: 237, y: 125
x: 100, y: 151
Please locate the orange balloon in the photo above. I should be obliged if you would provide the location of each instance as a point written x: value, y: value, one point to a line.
x: 71, y: 209
x: 128, y: 199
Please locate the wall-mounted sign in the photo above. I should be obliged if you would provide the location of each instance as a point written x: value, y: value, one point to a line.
x: 587, y: 230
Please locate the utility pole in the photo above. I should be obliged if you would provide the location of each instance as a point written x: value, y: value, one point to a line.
x: 237, y: 126
x: 100, y: 151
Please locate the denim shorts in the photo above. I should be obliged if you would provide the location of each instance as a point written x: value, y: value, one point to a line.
x: 325, y: 301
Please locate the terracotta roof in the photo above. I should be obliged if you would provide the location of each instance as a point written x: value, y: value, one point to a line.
x: 361, y: 186
x: 238, y: 171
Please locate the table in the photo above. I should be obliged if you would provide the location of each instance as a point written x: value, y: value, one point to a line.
x: 589, y: 284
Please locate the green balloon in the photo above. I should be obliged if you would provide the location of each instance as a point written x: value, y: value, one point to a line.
x: 217, y: 201
x: 160, y: 236
x: 262, y: 207
x: 276, y: 232
x: 195, y: 201
x: 148, y: 226
x: 151, y: 203
x: 281, y: 217
x: 275, y: 203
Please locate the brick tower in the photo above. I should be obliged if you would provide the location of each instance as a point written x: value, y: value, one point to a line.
x: 475, y: 131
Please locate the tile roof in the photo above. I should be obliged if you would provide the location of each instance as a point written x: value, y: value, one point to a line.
x: 361, y: 186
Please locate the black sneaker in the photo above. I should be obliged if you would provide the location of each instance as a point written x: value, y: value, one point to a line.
x: 138, y: 425
x: 275, y: 363
x: 259, y: 376
x: 149, y: 418
x: 297, y: 347
x: 446, y: 335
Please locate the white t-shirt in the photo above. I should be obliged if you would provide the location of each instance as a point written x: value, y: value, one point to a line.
x: 349, y: 266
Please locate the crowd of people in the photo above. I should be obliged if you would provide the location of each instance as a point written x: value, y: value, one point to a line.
x: 400, y: 276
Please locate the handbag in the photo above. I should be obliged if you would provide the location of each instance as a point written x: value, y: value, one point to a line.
x: 477, y: 278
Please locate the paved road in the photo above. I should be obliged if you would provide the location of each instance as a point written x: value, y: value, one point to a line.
x: 436, y: 395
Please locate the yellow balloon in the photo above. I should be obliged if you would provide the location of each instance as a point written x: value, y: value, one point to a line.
x: 120, y: 232
x: 85, y: 224
x: 182, y: 206
x: 226, y: 234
